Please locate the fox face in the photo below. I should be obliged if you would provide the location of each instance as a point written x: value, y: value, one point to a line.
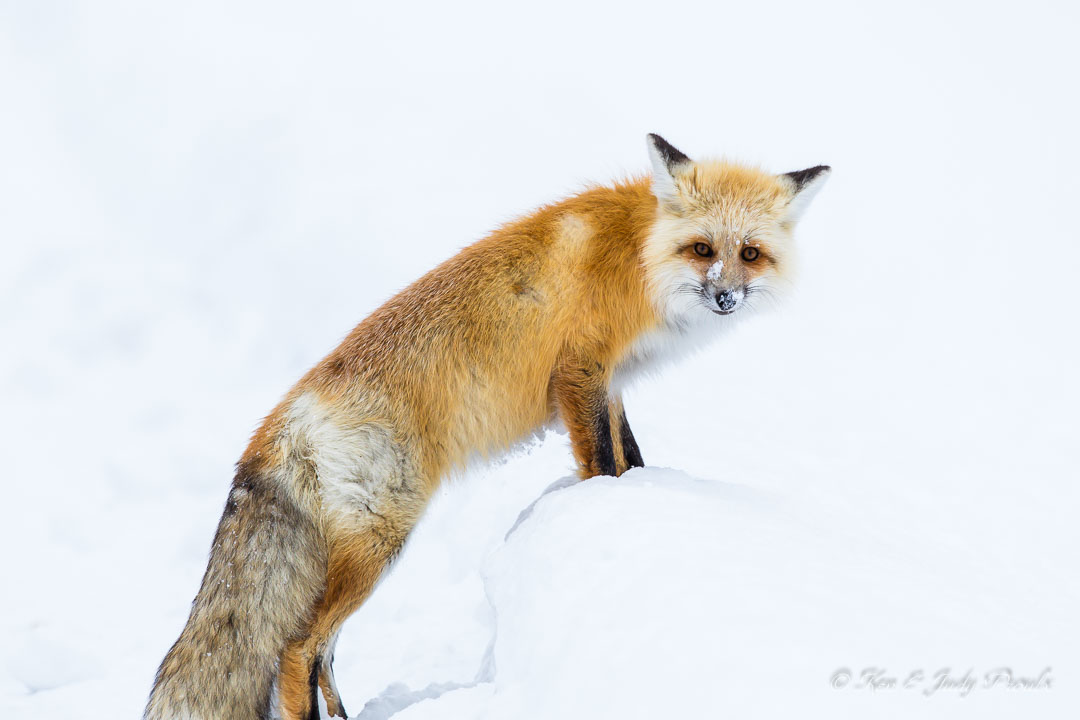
x: 723, y: 232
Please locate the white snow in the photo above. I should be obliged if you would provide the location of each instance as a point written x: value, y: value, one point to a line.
x: 198, y: 200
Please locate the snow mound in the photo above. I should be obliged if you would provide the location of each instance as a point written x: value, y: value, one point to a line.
x: 616, y: 597
x: 658, y: 594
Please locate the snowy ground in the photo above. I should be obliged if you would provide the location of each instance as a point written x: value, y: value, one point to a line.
x: 198, y: 200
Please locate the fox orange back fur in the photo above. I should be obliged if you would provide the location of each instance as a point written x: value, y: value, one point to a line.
x: 543, y: 320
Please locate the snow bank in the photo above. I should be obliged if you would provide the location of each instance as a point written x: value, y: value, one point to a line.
x: 630, y: 597
x: 658, y: 594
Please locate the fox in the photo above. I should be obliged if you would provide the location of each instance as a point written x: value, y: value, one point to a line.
x: 542, y: 323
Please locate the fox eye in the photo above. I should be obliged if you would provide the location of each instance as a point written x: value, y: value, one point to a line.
x: 750, y: 254
x: 703, y: 249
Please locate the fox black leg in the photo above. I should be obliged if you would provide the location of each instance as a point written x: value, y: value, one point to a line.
x: 604, y: 449
x: 631, y: 452
x: 627, y: 454
x: 313, y: 682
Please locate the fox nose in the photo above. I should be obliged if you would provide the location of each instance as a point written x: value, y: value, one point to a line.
x: 727, y: 300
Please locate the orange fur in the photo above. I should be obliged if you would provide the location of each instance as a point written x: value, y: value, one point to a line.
x: 464, y: 357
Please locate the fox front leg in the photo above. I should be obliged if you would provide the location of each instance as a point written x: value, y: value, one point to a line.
x: 627, y: 453
x: 581, y: 395
x: 600, y: 435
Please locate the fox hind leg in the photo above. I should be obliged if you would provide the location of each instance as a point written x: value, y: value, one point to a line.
x: 356, y: 561
x: 301, y: 677
x: 296, y: 696
x: 328, y: 684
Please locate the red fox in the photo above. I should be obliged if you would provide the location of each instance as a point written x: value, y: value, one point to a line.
x: 544, y: 319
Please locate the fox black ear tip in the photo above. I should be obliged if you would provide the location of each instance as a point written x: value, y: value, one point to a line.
x: 801, y: 178
x: 671, y: 155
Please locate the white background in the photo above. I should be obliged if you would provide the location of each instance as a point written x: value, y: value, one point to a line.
x: 199, y: 199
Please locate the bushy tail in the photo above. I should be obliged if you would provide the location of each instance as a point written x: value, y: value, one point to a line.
x: 266, y: 571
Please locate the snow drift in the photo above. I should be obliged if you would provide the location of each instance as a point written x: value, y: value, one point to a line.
x: 658, y: 594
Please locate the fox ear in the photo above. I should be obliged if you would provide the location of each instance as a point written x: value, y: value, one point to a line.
x: 666, y: 161
x: 805, y: 184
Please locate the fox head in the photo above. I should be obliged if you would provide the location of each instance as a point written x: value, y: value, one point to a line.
x: 723, y: 232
